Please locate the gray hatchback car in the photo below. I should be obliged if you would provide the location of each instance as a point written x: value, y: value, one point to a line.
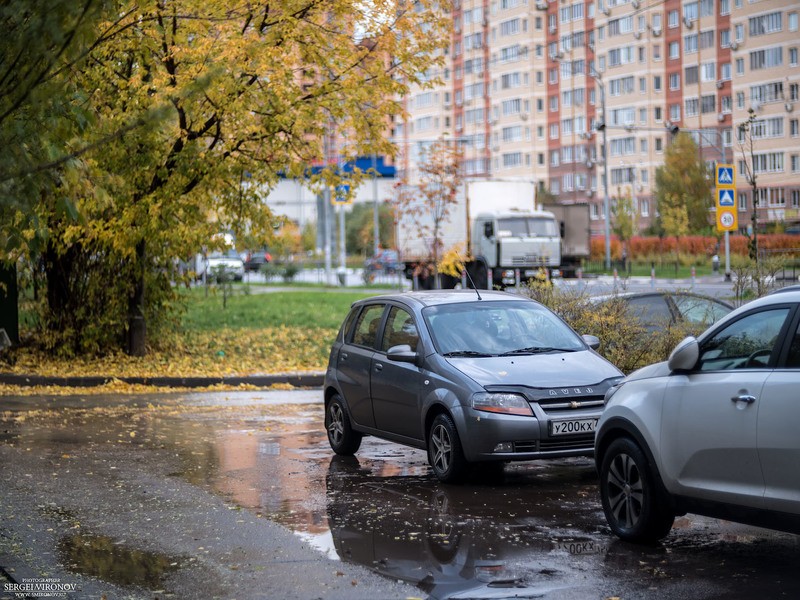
x: 468, y: 376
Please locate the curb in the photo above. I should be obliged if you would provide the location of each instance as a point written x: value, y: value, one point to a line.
x: 314, y: 379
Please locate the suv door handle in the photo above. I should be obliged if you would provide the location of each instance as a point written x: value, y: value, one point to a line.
x: 744, y: 397
x: 378, y: 367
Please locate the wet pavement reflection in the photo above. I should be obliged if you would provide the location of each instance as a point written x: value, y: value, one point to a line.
x: 529, y: 530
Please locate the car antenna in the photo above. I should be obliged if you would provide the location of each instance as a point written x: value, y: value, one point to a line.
x: 466, y: 271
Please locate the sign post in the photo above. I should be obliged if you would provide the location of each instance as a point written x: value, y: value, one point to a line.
x: 727, y: 215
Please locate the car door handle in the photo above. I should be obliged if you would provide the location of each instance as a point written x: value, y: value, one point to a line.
x: 378, y: 367
x: 744, y: 397
x: 343, y: 355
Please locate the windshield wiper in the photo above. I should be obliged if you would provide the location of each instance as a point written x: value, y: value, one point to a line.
x: 537, y: 350
x: 462, y: 353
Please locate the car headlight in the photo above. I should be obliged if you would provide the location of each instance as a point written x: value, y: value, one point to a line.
x: 507, y: 404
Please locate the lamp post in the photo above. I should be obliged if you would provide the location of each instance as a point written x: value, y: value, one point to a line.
x: 601, y: 126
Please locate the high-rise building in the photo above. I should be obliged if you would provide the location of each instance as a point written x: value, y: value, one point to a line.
x: 529, y: 85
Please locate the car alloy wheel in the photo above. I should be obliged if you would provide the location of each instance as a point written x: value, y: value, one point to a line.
x: 342, y: 438
x: 635, y: 508
x: 444, y: 450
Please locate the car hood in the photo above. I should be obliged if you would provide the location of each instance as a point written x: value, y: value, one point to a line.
x: 538, y: 370
x: 659, y: 369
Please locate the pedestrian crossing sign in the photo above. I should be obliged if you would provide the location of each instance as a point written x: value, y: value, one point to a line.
x: 725, y: 197
x: 726, y: 176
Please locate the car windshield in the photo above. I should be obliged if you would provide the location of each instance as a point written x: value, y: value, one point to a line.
x: 485, y: 328
x: 526, y: 227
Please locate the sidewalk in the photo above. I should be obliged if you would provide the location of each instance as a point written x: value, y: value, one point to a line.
x: 299, y: 380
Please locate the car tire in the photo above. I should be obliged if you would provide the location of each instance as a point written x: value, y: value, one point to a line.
x: 343, y: 440
x: 444, y: 450
x: 635, y: 508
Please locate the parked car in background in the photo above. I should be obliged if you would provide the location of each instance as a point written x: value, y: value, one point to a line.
x: 712, y: 431
x: 255, y: 259
x: 386, y: 261
x: 221, y: 263
x: 468, y: 376
x: 659, y: 307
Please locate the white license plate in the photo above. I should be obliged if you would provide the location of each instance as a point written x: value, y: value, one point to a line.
x: 573, y: 426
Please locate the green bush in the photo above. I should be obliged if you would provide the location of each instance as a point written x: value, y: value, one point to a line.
x: 624, y: 339
x: 290, y: 271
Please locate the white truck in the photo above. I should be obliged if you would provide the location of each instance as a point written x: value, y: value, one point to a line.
x: 504, y: 237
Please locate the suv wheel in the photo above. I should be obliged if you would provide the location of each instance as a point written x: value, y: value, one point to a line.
x: 343, y: 440
x: 444, y: 450
x: 634, y: 507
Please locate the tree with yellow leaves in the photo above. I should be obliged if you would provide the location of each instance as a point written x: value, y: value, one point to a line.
x: 217, y: 100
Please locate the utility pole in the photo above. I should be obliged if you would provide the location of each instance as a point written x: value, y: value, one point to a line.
x: 601, y: 126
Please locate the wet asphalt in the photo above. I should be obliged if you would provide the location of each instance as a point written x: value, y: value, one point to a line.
x: 237, y: 495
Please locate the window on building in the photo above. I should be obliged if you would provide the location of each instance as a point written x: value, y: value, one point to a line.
x: 792, y: 18
x: 742, y: 201
x: 740, y: 66
x: 673, y: 18
x: 659, y: 144
x: 674, y: 112
x: 675, y: 81
x: 674, y: 50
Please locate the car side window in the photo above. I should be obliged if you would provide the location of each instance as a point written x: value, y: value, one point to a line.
x: 366, y: 330
x: 650, y: 309
x: 700, y: 310
x: 399, y: 329
x: 793, y: 358
x: 748, y: 343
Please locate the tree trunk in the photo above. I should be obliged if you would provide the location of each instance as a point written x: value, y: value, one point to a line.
x: 9, y: 311
x: 137, y: 328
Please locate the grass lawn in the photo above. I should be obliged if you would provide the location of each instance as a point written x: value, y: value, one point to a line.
x: 319, y: 309
x: 275, y: 332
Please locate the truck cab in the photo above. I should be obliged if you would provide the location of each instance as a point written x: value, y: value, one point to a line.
x: 514, y: 245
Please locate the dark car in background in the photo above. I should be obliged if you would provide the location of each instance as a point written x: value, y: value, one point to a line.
x: 255, y: 259
x: 656, y: 308
x: 385, y: 261
x: 471, y: 377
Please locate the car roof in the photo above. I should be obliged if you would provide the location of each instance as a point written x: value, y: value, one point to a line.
x: 437, y: 297
x: 627, y: 295
x: 788, y: 288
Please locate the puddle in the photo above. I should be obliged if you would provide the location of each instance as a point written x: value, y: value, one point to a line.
x: 102, y: 557
x: 537, y: 528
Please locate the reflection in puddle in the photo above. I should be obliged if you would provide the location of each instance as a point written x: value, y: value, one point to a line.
x: 449, y: 540
x: 102, y: 557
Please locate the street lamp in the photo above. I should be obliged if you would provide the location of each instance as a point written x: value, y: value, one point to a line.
x: 601, y: 126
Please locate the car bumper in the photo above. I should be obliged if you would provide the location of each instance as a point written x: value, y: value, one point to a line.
x: 490, y: 436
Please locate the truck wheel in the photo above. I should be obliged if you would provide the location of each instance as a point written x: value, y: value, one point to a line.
x: 480, y: 275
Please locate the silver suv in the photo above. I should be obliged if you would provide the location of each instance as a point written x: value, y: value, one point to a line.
x: 469, y: 376
x: 715, y: 430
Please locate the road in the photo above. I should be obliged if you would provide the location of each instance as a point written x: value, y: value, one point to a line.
x: 237, y: 495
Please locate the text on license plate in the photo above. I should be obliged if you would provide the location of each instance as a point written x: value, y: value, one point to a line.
x: 573, y: 426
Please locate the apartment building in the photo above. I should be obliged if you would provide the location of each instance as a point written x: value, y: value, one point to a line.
x: 530, y: 84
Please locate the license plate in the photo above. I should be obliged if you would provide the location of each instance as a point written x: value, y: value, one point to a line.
x: 573, y: 426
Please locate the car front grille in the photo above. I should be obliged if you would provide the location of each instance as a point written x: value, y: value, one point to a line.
x: 562, y: 405
x: 577, y: 442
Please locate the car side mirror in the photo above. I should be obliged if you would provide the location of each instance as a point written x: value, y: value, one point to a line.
x: 401, y: 353
x: 592, y: 341
x: 684, y: 356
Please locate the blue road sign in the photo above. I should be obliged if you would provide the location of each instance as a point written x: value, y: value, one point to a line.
x: 724, y: 174
x: 725, y: 197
